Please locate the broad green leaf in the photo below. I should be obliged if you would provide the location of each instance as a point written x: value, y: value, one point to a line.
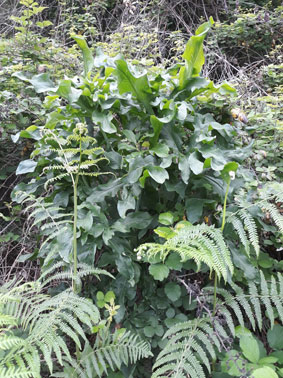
x: 242, y: 331
x: 182, y: 111
x: 264, y: 372
x: 173, y: 291
x: 127, y: 204
x: 268, y: 360
x: 279, y: 355
x: 26, y: 166
x: 165, y: 232
x: 105, y: 190
x: 157, y: 127
x: 195, y: 164
x: 138, y: 219
x: 149, y: 331
x: 159, y: 271
x: 275, y: 337
x: 194, y: 209
x: 138, y: 86
x: 100, y: 296
x: 104, y: 120
x: 65, y: 243
x: 241, y: 261
x: 160, y: 150
x: 193, y: 55
x: 173, y: 261
x: 184, y: 167
x: 42, y: 83
x: 85, y: 221
x: 66, y: 91
x: 158, y: 174
x: 228, y: 364
x: 109, y: 295
x: 87, y: 54
x: 250, y: 348
x: 166, y: 218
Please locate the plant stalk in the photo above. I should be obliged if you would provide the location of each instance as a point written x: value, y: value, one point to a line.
x: 222, y: 228
x: 75, y: 242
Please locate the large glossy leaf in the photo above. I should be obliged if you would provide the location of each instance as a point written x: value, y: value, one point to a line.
x: 26, y: 166
x: 264, y: 372
x: 159, y: 271
x: 195, y: 164
x: 138, y: 86
x: 275, y: 337
x: 250, y: 348
x: 173, y: 291
x: 104, y: 121
x: 87, y: 54
x: 41, y: 83
x: 193, y: 55
x: 68, y: 92
x: 157, y: 127
x: 158, y: 174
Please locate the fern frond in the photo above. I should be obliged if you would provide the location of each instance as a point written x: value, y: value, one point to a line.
x: 239, y: 228
x: 274, y: 213
x: 193, y: 343
x: 110, y: 351
x: 201, y: 243
x: 13, y: 372
x: 46, y: 321
x: 185, y: 351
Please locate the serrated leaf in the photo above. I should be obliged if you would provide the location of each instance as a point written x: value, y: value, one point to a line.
x: 173, y: 291
x: 159, y: 271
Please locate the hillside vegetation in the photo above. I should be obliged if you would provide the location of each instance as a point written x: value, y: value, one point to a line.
x: 141, y: 189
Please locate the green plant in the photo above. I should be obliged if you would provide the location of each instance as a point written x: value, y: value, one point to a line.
x: 72, y: 157
x: 201, y: 243
x: 194, y: 343
x: 38, y: 326
x: 110, y: 352
x: 251, y: 357
x: 34, y: 325
x: 169, y: 143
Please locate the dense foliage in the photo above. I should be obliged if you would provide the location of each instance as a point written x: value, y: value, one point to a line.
x: 141, y: 200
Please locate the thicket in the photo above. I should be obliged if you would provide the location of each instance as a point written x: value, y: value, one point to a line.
x: 141, y: 203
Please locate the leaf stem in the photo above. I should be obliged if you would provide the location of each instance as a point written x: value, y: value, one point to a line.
x: 75, y: 242
x: 222, y: 228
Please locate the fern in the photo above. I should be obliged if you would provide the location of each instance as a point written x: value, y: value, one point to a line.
x: 42, y: 321
x: 243, y: 221
x: 71, y: 158
x: 202, y: 243
x: 109, y: 352
x: 192, y: 344
x: 36, y: 327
